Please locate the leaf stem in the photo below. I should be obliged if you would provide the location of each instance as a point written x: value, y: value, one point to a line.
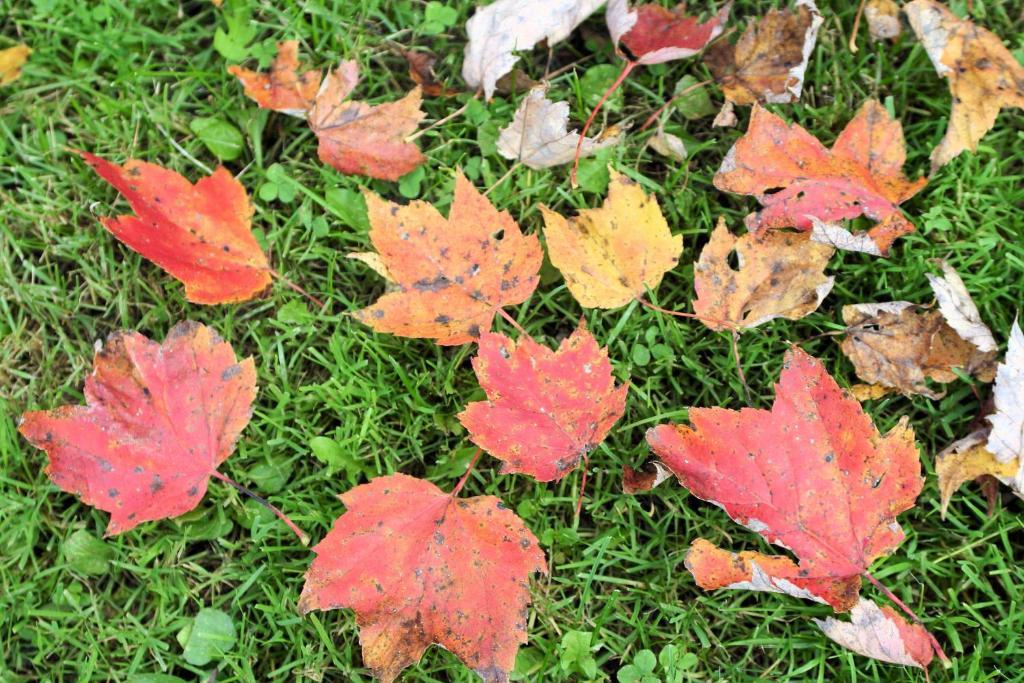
x: 739, y: 366
x: 630, y: 65
x: 465, y: 477
x: 856, y: 27
x: 440, y: 122
x: 303, y: 536
x: 657, y: 112
x: 583, y: 485
x: 909, y: 612
x: 512, y: 321
x: 300, y: 290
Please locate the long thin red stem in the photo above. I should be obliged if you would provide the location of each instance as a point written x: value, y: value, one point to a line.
x: 630, y: 65
x: 739, y: 366
x: 583, y: 484
x: 300, y: 290
x: 657, y: 112
x: 303, y: 536
x: 681, y: 314
x: 512, y: 321
x: 910, y: 613
x: 465, y: 477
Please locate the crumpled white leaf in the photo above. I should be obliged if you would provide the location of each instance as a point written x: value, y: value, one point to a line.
x: 959, y: 310
x: 507, y: 26
x: 1006, y: 441
x: 539, y: 134
x: 667, y: 144
x: 872, y: 633
x: 839, y: 237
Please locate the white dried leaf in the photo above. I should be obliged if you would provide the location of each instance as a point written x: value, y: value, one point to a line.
x: 507, y: 26
x: 870, y: 632
x: 1006, y: 441
x: 539, y: 134
x: 841, y: 238
x: 959, y: 310
x: 667, y: 145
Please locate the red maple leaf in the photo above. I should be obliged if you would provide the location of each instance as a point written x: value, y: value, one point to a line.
x: 812, y: 475
x: 158, y: 420
x: 655, y: 34
x: 546, y: 409
x: 798, y: 179
x: 201, y: 234
x: 419, y: 566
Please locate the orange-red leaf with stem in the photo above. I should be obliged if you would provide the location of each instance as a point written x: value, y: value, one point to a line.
x: 158, y: 420
x: 201, y: 234
x: 419, y: 566
x: 546, y: 410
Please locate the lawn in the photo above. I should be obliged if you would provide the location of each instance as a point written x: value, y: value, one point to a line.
x: 122, y: 79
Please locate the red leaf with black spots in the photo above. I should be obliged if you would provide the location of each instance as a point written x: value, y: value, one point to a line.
x: 420, y: 567
x: 546, y: 410
x: 158, y: 420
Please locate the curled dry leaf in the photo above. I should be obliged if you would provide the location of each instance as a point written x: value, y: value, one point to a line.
x: 883, y: 19
x: 667, y: 145
x: 499, y: 30
x: 546, y: 410
x: 420, y: 567
x: 365, y: 139
x: 201, y: 234
x: 12, y: 60
x: 645, y: 479
x: 958, y: 308
x: 768, y: 63
x: 797, y: 179
x: 780, y: 275
x: 899, y: 345
x: 421, y: 71
x: 654, y: 34
x: 451, y: 276
x: 835, y: 235
x: 283, y: 88
x: 1006, y: 441
x: 612, y: 255
x: 539, y: 136
x: 969, y: 459
x: 158, y: 420
x: 812, y: 475
x: 983, y: 75
x: 880, y: 633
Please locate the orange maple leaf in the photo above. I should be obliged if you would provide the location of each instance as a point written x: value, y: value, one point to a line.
x: 451, y: 276
x: 282, y: 89
x: 201, y: 234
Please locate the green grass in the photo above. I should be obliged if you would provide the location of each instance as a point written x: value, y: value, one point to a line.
x: 127, y: 80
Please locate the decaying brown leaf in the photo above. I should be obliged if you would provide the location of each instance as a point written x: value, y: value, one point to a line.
x: 11, y: 61
x: 883, y: 19
x: 983, y: 76
x: 768, y: 62
x: 781, y: 274
x: 969, y: 460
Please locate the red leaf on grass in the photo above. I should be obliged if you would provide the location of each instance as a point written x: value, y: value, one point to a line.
x: 546, y: 409
x: 654, y: 34
x: 201, y: 234
x: 158, y: 420
x: 420, y: 567
x: 283, y: 88
x: 812, y: 475
x: 798, y: 179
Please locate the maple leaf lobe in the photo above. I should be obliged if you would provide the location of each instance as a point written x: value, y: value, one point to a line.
x: 420, y: 567
x: 546, y: 410
x: 158, y: 420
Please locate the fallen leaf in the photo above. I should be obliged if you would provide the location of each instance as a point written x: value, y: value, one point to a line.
x: 612, y: 255
x: 283, y: 88
x: 968, y: 460
x: 838, y: 237
x: 12, y: 60
x: 812, y: 475
x: 420, y: 567
x: 499, y: 30
x: 1006, y: 441
x: 667, y: 145
x: 983, y: 75
x: 421, y: 71
x: 358, y: 138
x: 869, y: 392
x: 780, y: 274
x: 883, y: 19
x: 201, y: 234
x: 796, y: 178
x: 545, y: 410
x: 899, y: 345
x: 539, y: 136
x: 880, y: 633
x: 654, y: 34
x: 768, y: 63
x: 726, y: 116
x: 958, y: 308
x: 452, y: 275
x: 646, y: 479
x: 158, y: 420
